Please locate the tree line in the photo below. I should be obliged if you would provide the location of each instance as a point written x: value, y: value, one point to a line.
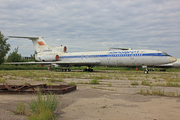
x: 12, y: 57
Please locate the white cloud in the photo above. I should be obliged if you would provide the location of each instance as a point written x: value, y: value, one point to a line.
x: 94, y: 25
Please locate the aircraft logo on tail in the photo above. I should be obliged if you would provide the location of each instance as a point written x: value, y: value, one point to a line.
x: 41, y: 43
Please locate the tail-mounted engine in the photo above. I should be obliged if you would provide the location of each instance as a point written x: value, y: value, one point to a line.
x: 47, y: 58
x: 59, y: 49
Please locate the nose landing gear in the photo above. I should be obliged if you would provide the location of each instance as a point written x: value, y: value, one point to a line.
x: 146, y: 71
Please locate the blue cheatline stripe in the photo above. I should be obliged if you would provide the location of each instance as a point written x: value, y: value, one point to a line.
x: 114, y: 55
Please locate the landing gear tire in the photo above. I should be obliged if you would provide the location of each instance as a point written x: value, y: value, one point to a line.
x: 145, y: 72
x: 66, y: 70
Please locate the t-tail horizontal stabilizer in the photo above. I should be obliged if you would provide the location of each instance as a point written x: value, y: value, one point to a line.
x: 41, y: 46
x: 31, y: 38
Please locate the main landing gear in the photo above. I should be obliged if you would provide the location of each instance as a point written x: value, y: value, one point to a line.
x: 66, y: 69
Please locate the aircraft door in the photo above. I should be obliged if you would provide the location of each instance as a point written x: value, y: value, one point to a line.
x: 132, y: 56
x: 109, y: 57
x: 83, y: 57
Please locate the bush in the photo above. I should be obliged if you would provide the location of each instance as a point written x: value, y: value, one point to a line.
x: 43, y: 108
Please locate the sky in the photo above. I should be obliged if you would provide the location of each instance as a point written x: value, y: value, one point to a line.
x: 93, y: 25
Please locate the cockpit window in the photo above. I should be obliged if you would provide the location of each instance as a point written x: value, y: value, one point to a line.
x: 165, y: 54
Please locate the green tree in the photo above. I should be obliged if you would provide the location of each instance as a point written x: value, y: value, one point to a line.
x: 4, y: 47
x: 33, y: 56
x: 14, y: 56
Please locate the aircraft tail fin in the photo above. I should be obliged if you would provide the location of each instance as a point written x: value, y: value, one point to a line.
x: 39, y: 44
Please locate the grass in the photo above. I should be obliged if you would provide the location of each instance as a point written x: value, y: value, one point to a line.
x: 94, y: 81
x: 2, y: 80
x: 145, y: 82
x: 43, y: 108
x: 20, y: 109
x: 158, y: 92
x: 49, y: 83
x: 110, y: 84
x: 167, y: 84
x: 134, y: 83
x: 72, y: 83
x: 54, y: 76
x: 170, y: 84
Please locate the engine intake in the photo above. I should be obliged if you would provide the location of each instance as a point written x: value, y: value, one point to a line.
x: 58, y: 49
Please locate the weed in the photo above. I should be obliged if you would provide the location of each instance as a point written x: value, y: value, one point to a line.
x: 110, y: 84
x: 2, y: 80
x: 129, y: 78
x: 94, y: 81
x: 1, y: 75
x: 159, y: 84
x: 51, y: 79
x: 144, y: 82
x: 154, y: 78
x: 158, y: 92
x: 134, y: 83
x: 147, y: 91
x: 20, y: 109
x: 86, y: 83
x: 72, y: 83
x: 43, y: 108
x: 80, y: 82
x: 154, y: 92
x: 169, y: 84
x: 60, y: 80
x: 141, y: 91
x: 171, y: 94
x: 49, y: 83
x: 146, y: 76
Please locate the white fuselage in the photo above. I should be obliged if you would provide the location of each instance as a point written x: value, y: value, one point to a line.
x: 116, y: 58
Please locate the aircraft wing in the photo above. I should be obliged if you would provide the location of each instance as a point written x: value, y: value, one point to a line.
x: 28, y: 63
x: 78, y: 63
x: 61, y: 63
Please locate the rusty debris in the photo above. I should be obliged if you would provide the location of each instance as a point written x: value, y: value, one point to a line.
x: 32, y: 89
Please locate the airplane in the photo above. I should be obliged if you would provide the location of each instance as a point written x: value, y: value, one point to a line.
x: 59, y: 57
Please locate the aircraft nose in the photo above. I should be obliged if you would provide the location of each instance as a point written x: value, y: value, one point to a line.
x: 173, y: 59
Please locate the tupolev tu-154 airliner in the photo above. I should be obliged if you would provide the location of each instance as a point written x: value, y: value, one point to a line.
x: 58, y: 57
